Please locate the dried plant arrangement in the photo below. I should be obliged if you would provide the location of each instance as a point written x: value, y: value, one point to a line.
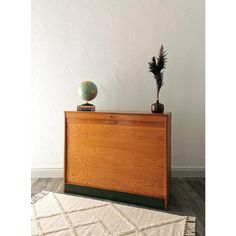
x: 156, y: 66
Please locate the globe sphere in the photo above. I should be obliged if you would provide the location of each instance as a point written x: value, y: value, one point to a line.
x: 88, y: 90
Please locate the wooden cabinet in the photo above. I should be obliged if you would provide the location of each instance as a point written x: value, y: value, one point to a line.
x: 118, y: 156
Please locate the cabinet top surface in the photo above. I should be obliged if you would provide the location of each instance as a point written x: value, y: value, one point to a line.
x: 121, y: 112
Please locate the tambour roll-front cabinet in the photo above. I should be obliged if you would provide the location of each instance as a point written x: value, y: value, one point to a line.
x: 120, y: 156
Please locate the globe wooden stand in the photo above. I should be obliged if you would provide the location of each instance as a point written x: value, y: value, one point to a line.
x: 86, y: 107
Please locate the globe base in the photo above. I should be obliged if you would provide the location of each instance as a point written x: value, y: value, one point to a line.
x: 86, y: 107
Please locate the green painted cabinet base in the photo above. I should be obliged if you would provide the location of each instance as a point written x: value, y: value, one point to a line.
x: 116, y: 196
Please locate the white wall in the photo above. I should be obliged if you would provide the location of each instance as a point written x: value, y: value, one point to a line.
x: 110, y: 43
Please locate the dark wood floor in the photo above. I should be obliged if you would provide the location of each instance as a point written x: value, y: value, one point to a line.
x: 187, y: 196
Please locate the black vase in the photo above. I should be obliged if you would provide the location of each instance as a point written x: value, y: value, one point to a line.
x: 157, y: 107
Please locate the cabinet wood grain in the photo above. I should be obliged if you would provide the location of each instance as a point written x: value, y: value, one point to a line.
x: 124, y: 152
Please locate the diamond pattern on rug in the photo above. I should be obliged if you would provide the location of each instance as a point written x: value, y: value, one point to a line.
x: 149, y: 219
x: 63, y: 215
x: 96, y: 228
x: 52, y: 223
x: 45, y: 207
x: 71, y: 203
x: 60, y: 233
x: 165, y: 230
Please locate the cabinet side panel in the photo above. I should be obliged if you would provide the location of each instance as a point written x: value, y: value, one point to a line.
x: 65, y: 152
x: 123, y: 158
x: 168, y: 158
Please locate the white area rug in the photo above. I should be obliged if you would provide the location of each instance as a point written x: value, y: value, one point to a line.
x: 64, y: 215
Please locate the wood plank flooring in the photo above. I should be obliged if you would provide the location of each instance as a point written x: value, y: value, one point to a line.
x: 187, y: 196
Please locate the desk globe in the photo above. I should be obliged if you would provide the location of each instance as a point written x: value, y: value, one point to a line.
x: 87, y: 91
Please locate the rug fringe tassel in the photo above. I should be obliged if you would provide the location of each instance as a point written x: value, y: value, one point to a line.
x: 190, y: 226
x: 38, y: 196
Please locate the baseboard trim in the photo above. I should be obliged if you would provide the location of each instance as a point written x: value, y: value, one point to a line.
x: 175, y: 172
x: 188, y: 172
x: 46, y: 172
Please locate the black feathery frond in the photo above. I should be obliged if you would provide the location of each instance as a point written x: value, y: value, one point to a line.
x: 153, y: 66
x: 156, y: 66
x: 161, y: 59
